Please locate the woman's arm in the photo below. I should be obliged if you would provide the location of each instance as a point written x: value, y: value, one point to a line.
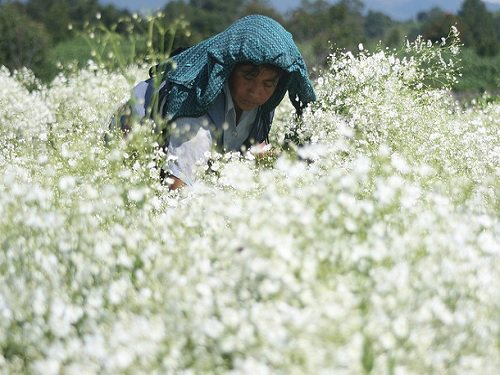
x: 188, y: 149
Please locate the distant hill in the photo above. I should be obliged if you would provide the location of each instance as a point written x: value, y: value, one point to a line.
x: 493, y: 7
x: 396, y: 9
x: 407, y: 9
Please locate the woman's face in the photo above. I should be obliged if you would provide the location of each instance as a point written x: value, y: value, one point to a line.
x: 251, y: 85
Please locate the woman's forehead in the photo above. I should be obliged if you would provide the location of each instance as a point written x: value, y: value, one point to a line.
x: 269, y: 72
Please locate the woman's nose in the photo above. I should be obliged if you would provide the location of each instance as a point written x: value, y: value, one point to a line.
x: 254, y: 90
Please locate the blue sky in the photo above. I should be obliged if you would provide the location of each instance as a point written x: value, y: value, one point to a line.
x: 398, y: 9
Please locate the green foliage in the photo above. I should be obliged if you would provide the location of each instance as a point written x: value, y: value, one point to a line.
x: 320, y: 25
x: 435, y: 24
x: 438, y: 62
x: 54, y: 14
x: 263, y: 7
x: 367, y: 357
x: 346, y: 24
x: 149, y: 40
x: 206, y: 17
x: 75, y: 50
x: 478, y: 73
x: 377, y: 25
x: 23, y: 42
x: 478, y: 28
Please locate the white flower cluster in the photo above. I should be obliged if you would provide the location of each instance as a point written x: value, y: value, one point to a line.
x: 25, y: 116
x: 374, y: 248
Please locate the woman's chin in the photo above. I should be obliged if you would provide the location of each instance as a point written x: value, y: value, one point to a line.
x: 246, y: 106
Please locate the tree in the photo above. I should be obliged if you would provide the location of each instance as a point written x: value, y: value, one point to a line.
x: 264, y: 8
x: 23, y: 42
x: 346, y: 24
x: 436, y: 23
x: 53, y: 14
x: 206, y: 17
x: 83, y: 10
x: 307, y: 21
x: 496, y: 20
x: 377, y: 25
x: 56, y: 15
x: 317, y: 25
x: 213, y: 16
x: 478, y: 28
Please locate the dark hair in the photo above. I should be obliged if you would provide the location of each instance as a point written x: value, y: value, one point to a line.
x: 255, y: 68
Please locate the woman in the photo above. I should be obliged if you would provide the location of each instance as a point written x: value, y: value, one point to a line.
x: 223, y: 91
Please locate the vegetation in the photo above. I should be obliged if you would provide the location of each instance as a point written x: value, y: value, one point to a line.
x: 368, y: 243
x: 45, y: 42
x: 23, y: 41
x: 478, y: 28
x: 373, y: 248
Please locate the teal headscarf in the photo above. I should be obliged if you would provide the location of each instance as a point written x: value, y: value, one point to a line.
x: 195, y: 77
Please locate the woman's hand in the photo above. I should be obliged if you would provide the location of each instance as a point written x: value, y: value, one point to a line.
x: 261, y: 150
x: 174, y: 183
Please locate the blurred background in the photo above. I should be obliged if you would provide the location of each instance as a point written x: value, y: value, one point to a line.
x: 47, y: 36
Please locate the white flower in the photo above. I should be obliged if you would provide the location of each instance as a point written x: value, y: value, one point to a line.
x: 117, y: 291
x: 250, y: 366
x: 136, y: 195
x: 489, y: 244
x: 47, y: 367
x: 67, y: 182
x: 379, y: 234
x: 213, y: 328
x: 62, y: 316
x: 399, y: 163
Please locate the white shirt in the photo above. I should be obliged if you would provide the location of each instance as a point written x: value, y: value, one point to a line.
x: 236, y: 134
x: 190, y: 147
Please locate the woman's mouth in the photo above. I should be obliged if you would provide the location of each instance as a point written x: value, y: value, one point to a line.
x: 247, y: 104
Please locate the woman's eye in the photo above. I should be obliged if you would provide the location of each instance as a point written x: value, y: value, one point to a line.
x: 270, y: 85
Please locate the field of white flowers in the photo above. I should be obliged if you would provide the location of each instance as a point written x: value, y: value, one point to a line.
x: 373, y: 248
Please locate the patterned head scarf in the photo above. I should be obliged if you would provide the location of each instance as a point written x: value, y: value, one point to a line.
x: 196, y: 76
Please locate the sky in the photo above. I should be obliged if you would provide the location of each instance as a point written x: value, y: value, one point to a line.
x: 397, y: 9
